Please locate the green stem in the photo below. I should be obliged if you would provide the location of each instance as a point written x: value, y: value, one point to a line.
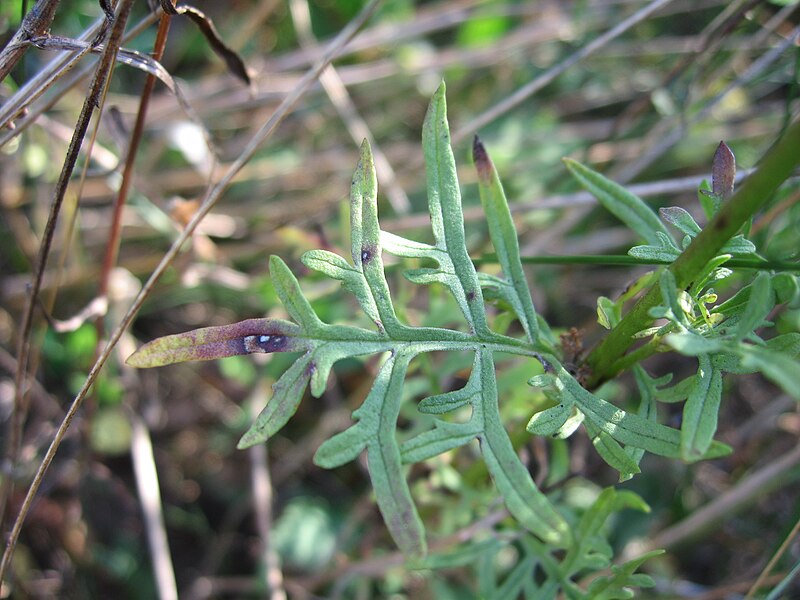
x: 626, y: 261
x: 775, y: 168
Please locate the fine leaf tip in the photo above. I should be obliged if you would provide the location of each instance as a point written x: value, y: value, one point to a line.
x: 135, y: 360
x: 247, y: 441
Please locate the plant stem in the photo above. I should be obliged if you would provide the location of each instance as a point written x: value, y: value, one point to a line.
x: 775, y: 168
x: 623, y: 260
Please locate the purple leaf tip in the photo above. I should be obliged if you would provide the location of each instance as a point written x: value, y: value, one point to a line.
x: 723, y: 171
x: 482, y: 161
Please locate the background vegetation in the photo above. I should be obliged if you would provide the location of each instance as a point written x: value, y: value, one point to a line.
x: 647, y: 107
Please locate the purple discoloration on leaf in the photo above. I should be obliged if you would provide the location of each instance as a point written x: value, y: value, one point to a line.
x: 723, y: 171
x: 245, y: 337
x: 264, y: 343
x: 483, y: 163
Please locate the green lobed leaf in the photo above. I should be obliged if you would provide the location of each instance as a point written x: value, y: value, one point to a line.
x: 504, y: 237
x: 442, y: 438
x: 623, y: 577
x: 449, y: 401
x: 626, y: 428
x: 523, y: 499
x: 627, y: 207
x: 352, y: 278
x: 759, y: 304
x: 366, y: 240
x: 681, y: 219
x: 291, y: 296
x: 739, y: 245
x: 612, y: 453
x: 342, y: 448
x: 376, y: 420
x: 548, y: 422
x: 383, y: 459
x: 664, y: 251
x: 787, y: 288
x: 779, y: 367
x: 692, y: 344
x: 376, y: 431
x: 699, y: 423
x: 287, y: 393
x: 444, y: 206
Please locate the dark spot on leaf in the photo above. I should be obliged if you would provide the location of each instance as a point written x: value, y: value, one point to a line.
x: 311, y: 368
x: 470, y: 296
x: 264, y: 343
x: 367, y: 253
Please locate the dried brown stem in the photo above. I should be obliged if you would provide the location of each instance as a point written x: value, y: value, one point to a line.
x: 213, y: 195
x: 91, y: 103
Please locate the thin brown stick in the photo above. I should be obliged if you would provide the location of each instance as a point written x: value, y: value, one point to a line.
x: 548, y: 76
x: 664, y: 140
x: 261, y: 481
x: 112, y: 247
x: 212, y: 196
x: 147, y: 486
x: 52, y: 72
x: 764, y: 575
x: 36, y: 22
x: 734, y: 500
x: 356, y: 126
x: 91, y: 103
